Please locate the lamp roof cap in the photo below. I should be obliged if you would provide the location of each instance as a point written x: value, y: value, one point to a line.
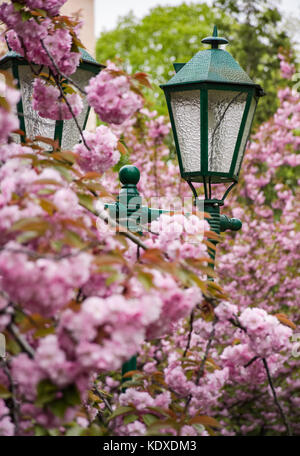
x: 211, y: 66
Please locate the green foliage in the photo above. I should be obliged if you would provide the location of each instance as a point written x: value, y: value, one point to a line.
x: 152, y: 45
x: 257, y: 40
x: 173, y: 34
x: 48, y: 395
x: 4, y: 393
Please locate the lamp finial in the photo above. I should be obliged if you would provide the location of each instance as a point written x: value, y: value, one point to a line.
x: 215, y: 40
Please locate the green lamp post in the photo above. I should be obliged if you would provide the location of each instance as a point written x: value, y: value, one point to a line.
x: 31, y: 123
x: 211, y: 103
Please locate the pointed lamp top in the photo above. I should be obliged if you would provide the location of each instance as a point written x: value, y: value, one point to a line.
x: 215, y: 40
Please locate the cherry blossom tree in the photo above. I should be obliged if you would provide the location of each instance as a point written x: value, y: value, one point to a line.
x: 79, y: 296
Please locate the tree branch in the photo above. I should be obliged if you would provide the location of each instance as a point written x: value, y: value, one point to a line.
x: 190, y: 333
x: 59, y: 72
x: 251, y: 361
x: 103, y: 399
x: 107, y: 219
x: 22, y: 341
x: 62, y: 92
x: 208, y: 345
x: 281, y: 412
x: 72, y: 112
x: 202, y: 365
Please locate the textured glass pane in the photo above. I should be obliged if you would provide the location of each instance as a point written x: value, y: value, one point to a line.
x: 186, y: 112
x: 71, y: 135
x: 34, y: 124
x: 245, y: 135
x: 225, y: 113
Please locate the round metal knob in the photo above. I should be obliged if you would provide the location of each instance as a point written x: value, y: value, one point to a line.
x: 129, y: 174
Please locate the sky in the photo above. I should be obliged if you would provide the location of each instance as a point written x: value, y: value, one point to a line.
x: 107, y: 12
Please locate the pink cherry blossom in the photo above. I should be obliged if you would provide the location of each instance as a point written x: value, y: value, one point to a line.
x: 48, y: 102
x: 7, y: 428
x: 101, y: 153
x: 51, y: 6
x: 111, y: 97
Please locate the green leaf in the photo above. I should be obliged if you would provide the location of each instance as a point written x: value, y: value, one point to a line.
x: 25, y: 16
x: 112, y: 278
x: 70, y: 398
x: 149, y: 419
x: 37, y: 224
x: 74, y: 47
x: 47, y: 182
x: 57, y: 245
x: 4, y: 104
x: 40, y: 431
x: 4, y: 393
x: 74, y: 431
x: 86, y: 201
x: 93, y: 430
x: 45, y: 191
x: 54, y: 432
x: 58, y: 407
x: 71, y: 395
x: 63, y: 171
x: 27, y: 236
x: 205, y: 420
x: 43, y: 332
x: 12, y: 346
x: 132, y: 384
x: 161, y: 424
x: 159, y: 410
x: 18, y: 6
x: 73, y: 239
x: 130, y: 418
x: 48, y: 206
x: 46, y: 392
x: 146, y: 278
x: 41, y: 12
x: 199, y: 428
x: 121, y: 411
x: 65, y: 157
x: 68, y: 89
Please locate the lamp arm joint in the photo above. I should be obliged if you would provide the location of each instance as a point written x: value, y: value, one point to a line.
x: 226, y: 223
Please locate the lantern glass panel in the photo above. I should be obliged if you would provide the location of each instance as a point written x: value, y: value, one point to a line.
x: 186, y: 113
x: 225, y: 113
x: 245, y: 135
x: 35, y: 125
x: 71, y: 135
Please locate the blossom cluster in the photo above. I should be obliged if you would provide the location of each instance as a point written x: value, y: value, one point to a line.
x: 111, y: 96
x: 36, y: 40
x: 39, y: 285
x: 266, y: 334
x: 49, y: 103
x: 51, y: 6
x: 77, y: 304
x: 7, y: 428
x: 180, y: 236
x: 287, y: 69
x: 158, y: 128
x: 99, y: 152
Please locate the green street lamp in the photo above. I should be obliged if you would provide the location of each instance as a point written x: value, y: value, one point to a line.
x: 211, y: 103
x: 31, y: 123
